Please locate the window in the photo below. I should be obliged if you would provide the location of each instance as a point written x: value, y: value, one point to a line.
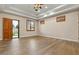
x: 30, y: 25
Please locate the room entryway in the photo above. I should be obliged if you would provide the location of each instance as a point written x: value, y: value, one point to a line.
x: 10, y: 29
x: 15, y: 28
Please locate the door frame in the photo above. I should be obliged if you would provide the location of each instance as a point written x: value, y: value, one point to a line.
x: 3, y: 28
x: 12, y: 28
x: 18, y: 28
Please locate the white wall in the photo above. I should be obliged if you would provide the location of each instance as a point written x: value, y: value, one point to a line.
x: 0, y: 28
x: 23, y: 32
x: 67, y: 30
x: 78, y: 25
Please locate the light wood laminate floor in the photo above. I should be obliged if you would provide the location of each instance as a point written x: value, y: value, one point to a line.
x: 38, y: 46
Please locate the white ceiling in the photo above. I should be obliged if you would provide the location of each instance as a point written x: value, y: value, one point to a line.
x: 27, y: 10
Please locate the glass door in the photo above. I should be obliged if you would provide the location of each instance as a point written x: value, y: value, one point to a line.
x: 15, y: 28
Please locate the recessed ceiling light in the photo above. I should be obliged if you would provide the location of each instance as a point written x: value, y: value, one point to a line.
x: 51, y: 13
x: 45, y: 16
x: 46, y: 7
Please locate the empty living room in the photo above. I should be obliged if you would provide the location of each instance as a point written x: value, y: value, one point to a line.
x: 39, y: 29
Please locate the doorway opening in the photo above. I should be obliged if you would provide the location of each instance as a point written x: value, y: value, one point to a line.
x: 15, y: 28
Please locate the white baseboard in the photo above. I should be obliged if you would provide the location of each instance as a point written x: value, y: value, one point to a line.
x: 62, y: 38
x: 29, y: 36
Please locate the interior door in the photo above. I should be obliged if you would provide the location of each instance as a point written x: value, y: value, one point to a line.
x: 7, y: 29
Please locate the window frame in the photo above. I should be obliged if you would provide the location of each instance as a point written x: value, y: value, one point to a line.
x: 28, y: 22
